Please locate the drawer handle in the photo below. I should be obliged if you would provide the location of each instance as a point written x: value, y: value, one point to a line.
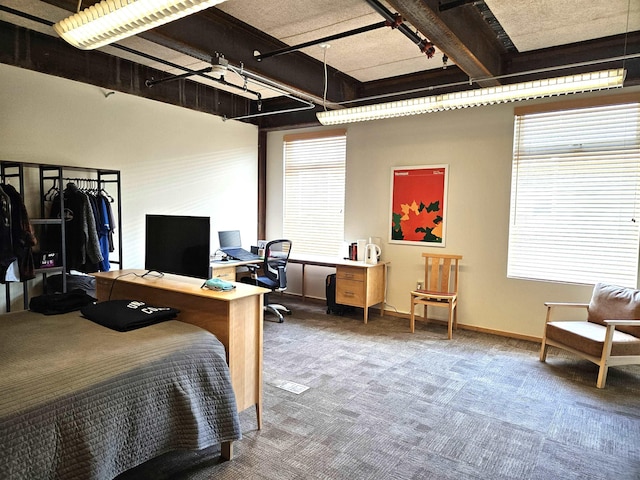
x: 348, y: 275
x: 349, y: 294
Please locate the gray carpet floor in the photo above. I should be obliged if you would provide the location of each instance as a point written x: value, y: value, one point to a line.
x: 383, y: 403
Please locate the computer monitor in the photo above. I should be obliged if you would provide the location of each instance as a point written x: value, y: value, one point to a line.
x: 178, y: 244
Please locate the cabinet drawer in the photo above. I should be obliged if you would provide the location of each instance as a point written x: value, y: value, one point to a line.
x: 226, y: 273
x: 350, y: 273
x: 350, y: 292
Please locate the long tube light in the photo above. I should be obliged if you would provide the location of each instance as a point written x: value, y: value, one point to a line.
x: 586, y: 82
x: 112, y: 20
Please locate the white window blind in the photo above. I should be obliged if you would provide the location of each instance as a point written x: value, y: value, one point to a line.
x: 574, y: 196
x: 314, y: 183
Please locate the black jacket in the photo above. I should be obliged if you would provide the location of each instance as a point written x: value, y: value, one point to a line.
x: 16, y: 235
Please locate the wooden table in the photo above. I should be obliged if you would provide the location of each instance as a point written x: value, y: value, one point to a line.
x: 358, y: 284
x: 235, y: 317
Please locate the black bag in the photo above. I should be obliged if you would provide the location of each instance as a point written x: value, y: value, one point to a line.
x: 56, y: 303
x: 86, y: 283
x: 125, y: 315
x: 332, y: 306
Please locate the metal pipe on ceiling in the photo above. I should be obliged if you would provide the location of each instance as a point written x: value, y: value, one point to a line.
x: 152, y: 82
x: 261, y: 56
x: 425, y: 45
x: 308, y: 105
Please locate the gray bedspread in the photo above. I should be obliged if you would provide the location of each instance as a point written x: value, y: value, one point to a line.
x: 80, y: 401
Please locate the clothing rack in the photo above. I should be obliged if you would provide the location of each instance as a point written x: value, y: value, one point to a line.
x: 51, y: 178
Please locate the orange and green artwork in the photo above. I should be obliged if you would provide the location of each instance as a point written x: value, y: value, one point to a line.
x: 418, y: 204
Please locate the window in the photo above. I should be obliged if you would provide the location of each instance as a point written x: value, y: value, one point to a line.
x: 314, y: 182
x: 574, y: 195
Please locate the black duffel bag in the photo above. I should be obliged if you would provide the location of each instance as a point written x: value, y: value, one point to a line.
x: 56, y: 303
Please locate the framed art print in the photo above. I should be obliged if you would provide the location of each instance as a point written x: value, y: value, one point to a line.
x: 418, y: 205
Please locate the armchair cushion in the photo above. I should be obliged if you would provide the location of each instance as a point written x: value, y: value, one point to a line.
x: 588, y: 337
x: 611, y: 302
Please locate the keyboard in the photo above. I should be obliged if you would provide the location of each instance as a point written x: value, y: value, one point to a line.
x: 242, y: 255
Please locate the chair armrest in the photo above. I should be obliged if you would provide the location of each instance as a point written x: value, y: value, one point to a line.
x: 282, y: 276
x: 553, y: 305
x: 608, y: 338
x: 566, y: 304
x: 630, y: 323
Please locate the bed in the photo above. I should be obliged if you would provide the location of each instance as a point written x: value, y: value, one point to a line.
x: 81, y: 401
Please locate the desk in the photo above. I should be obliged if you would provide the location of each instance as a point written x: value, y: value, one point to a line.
x: 358, y: 284
x: 235, y: 317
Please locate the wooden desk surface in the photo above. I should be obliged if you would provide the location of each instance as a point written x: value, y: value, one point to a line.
x: 178, y: 283
x: 233, y: 263
x: 329, y: 261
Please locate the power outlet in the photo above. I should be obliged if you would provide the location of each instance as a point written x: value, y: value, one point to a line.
x: 418, y: 285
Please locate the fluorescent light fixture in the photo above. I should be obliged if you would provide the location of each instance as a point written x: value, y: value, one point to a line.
x: 482, y: 96
x: 113, y: 20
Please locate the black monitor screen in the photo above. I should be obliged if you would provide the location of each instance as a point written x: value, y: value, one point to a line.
x: 178, y: 244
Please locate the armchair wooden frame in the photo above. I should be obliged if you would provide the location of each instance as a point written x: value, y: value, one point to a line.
x: 441, y: 272
x: 605, y: 360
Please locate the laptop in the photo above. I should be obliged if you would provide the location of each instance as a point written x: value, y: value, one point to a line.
x: 231, y: 245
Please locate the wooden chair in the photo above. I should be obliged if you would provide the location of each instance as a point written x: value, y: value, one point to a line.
x: 440, y: 287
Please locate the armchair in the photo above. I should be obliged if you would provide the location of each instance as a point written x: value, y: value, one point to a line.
x: 610, y: 335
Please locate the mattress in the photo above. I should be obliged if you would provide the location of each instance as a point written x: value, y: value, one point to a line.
x: 81, y: 401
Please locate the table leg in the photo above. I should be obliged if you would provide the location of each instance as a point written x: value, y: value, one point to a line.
x: 258, y: 416
x: 226, y: 450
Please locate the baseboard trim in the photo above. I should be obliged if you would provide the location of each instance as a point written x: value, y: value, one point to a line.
x: 473, y: 328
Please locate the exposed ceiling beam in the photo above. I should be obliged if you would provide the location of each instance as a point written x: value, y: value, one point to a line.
x: 459, y: 33
x: 31, y: 50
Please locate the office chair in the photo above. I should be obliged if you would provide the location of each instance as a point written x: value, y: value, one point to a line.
x: 274, y: 277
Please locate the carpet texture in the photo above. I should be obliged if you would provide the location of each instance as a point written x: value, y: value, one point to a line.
x: 384, y: 403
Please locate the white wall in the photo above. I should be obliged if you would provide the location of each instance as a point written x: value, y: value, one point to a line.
x: 477, y: 145
x: 172, y: 160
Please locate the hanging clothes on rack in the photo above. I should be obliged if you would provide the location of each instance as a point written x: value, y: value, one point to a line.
x: 103, y: 228
x: 6, y: 240
x: 82, y: 245
x: 104, y: 224
x: 100, y: 202
x: 17, y: 238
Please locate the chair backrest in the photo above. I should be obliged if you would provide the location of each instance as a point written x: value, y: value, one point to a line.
x: 441, y: 272
x: 276, y: 256
x: 612, y: 302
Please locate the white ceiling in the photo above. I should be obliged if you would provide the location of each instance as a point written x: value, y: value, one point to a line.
x: 531, y: 25
x: 367, y: 56
x: 536, y: 24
